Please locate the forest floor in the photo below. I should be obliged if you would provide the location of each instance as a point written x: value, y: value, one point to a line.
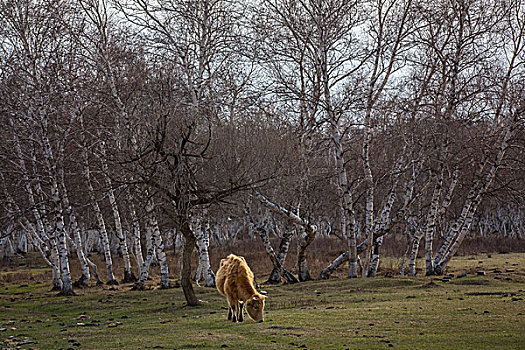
x: 470, y: 312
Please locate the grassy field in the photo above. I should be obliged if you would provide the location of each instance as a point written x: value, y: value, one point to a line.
x: 472, y: 312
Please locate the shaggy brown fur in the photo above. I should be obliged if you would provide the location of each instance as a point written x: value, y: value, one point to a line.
x: 234, y: 280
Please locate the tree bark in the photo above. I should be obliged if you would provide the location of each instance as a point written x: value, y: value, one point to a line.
x: 275, y: 276
x: 128, y: 273
x: 341, y: 259
x: 202, y: 238
x: 100, y: 221
x: 304, y: 241
x: 462, y: 226
x: 158, y: 242
x: 189, y: 244
x: 144, y: 268
x: 84, y: 267
x: 59, y: 229
x: 262, y: 230
x: 49, y: 252
x: 136, y: 233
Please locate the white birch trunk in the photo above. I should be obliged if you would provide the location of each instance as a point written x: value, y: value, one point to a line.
x: 49, y: 241
x: 341, y: 259
x: 144, y: 268
x: 347, y: 212
x: 88, y: 261
x: 370, y: 189
x: 304, y: 241
x: 51, y: 237
x: 136, y: 233
x: 85, y: 275
x: 67, y: 286
x: 457, y: 225
x: 157, y: 242
x: 128, y: 273
x: 379, y: 77
x: 473, y: 203
x: 57, y: 279
x: 202, y: 242
x: 413, y: 253
x: 29, y: 228
x: 347, y: 204
x: 284, y: 245
x: 430, y: 223
x: 21, y: 246
x: 149, y: 242
x: 430, y: 226
x: 262, y: 230
x: 385, y: 219
x: 100, y: 219
x: 435, y: 215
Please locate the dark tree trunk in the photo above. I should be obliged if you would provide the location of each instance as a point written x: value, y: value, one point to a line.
x: 189, y: 245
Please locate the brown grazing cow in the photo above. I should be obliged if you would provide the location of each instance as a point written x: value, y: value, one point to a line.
x: 234, y: 280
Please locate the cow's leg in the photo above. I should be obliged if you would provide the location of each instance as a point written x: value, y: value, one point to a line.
x: 236, y: 312
x: 231, y: 310
x: 240, y: 317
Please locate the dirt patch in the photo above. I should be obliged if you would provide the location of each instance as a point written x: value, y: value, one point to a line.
x: 431, y: 284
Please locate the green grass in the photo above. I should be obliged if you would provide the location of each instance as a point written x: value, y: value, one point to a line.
x: 475, y: 312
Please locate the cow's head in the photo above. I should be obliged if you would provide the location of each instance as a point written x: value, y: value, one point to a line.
x: 255, y: 307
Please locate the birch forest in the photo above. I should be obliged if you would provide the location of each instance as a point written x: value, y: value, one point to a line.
x: 133, y: 129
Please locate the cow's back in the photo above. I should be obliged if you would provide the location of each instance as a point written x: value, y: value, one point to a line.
x: 231, y: 272
x: 220, y: 276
